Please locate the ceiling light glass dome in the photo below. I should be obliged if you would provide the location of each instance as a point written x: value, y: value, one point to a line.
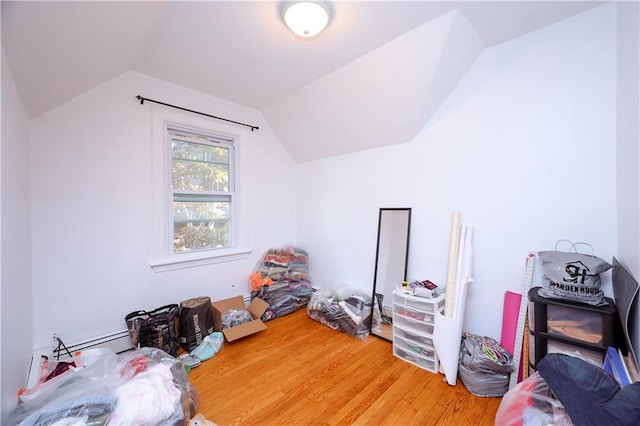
x: 306, y: 18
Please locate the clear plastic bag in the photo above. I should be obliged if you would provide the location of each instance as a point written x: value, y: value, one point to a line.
x: 113, y: 390
x: 162, y: 377
x: 210, y: 346
x: 281, y: 278
x: 234, y: 317
x: 344, y: 310
x: 81, y: 392
x: 84, y: 360
x: 531, y: 403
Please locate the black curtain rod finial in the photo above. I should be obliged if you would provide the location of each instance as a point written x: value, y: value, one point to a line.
x: 195, y: 112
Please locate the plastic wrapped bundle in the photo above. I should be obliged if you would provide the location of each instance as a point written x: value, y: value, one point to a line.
x: 234, y: 317
x: 484, y: 366
x: 349, y: 312
x: 144, y: 386
x: 281, y: 279
x: 154, y: 379
x: 531, y: 403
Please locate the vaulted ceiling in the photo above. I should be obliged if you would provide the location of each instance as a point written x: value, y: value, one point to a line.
x: 374, y: 58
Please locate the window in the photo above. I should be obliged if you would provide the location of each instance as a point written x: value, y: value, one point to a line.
x: 197, y: 169
x: 202, y: 190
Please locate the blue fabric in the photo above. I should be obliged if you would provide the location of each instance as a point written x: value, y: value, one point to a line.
x: 210, y: 346
x: 589, y: 394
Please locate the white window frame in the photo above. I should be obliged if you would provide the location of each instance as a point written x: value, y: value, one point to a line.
x: 162, y: 257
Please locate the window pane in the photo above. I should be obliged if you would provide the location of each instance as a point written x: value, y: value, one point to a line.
x: 199, y: 167
x: 196, y: 176
x: 199, y: 152
x: 199, y: 225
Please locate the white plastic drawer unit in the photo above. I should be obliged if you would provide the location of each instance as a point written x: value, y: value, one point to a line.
x: 413, y: 326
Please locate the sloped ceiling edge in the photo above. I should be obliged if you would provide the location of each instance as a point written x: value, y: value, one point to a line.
x: 383, y: 98
x: 59, y: 39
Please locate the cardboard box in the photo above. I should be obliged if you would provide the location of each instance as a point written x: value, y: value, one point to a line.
x: 257, y: 307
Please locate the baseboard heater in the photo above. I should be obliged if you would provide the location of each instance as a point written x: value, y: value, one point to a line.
x: 118, y: 342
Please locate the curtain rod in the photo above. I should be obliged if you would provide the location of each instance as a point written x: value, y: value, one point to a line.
x: 142, y: 99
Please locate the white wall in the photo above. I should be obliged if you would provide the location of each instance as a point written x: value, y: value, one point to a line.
x: 91, y: 209
x: 628, y: 141
x: 15, y: 246
x: 524, y: 148
x: 628, y: 135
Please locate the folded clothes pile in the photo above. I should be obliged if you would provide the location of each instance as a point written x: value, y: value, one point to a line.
x: 281, y: 279
x: 349, y: 312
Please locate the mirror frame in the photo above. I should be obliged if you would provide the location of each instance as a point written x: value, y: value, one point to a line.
x: 374, y: 300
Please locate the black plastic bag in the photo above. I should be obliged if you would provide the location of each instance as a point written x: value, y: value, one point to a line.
x: 155, y: 329
x: 196, y: 321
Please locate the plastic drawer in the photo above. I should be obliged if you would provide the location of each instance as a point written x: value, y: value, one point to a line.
x: 412, y: 313
x: 532, y: 349
x: 531, y: 313
x: 414, y: 336
x: 594, y: 357
x: 581, y: 325
x: 414, y: 348
x: 412, y: 325
x: 424, y: 304
x: 429, y: 364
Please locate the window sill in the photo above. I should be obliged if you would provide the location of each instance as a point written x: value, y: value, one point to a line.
x: 198, y: 259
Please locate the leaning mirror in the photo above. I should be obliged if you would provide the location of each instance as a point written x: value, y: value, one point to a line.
x: 390, y: 266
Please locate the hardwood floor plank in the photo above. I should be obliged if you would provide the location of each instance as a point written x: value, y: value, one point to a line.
x: 301, y: 372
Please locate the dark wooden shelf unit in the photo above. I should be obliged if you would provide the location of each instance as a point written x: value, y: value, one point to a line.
x: 572, y: 328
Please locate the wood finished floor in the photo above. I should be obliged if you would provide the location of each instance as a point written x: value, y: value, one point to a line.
x: 300, y: 372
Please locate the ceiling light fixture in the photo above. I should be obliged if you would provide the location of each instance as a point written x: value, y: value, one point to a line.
x: 305, y: 18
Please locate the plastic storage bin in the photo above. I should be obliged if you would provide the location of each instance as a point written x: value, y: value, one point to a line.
x: 413, y: 325
x: 571, y: 328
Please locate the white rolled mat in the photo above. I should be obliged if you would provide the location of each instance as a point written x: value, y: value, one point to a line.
x: 454, y: 240
x: 448, y: 328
